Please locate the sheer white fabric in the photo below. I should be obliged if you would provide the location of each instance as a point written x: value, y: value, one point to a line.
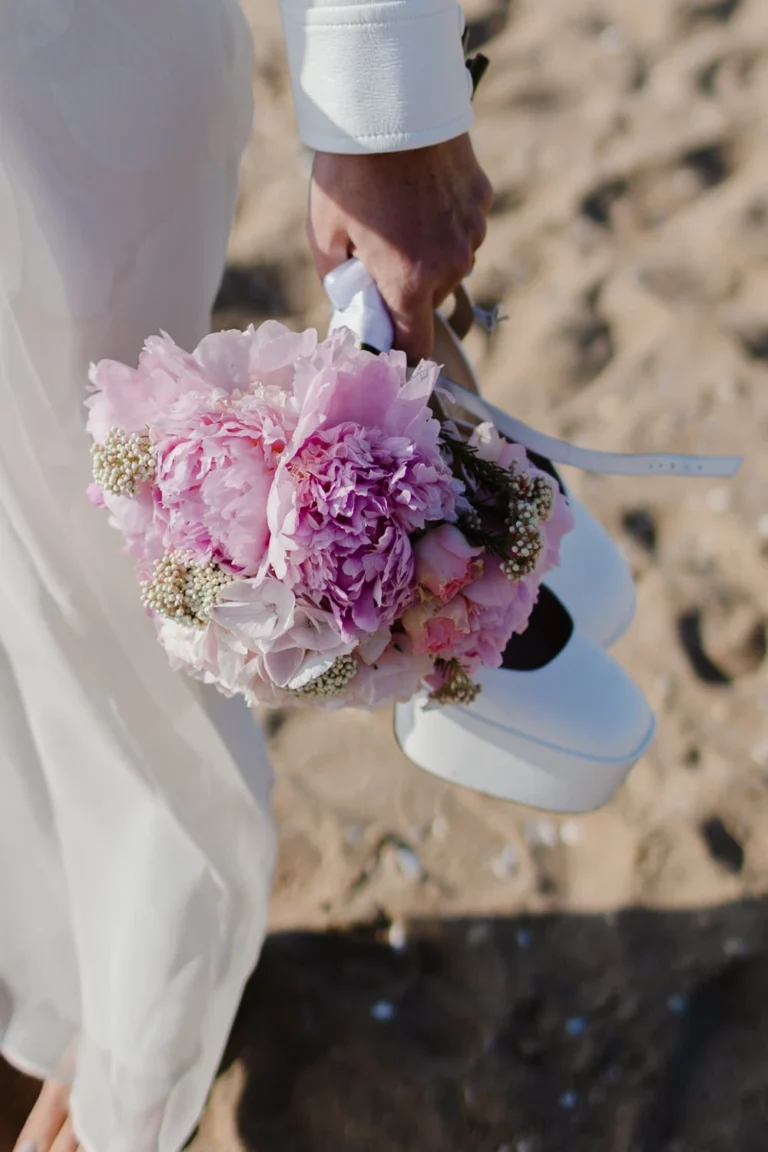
x: 136, y: 847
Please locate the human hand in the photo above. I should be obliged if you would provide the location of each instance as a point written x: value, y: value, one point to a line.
x: 415, y: 219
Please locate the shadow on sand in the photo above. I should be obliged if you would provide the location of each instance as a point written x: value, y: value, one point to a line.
x: 636, y: 1032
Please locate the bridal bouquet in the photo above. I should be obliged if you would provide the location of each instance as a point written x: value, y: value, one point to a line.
x: 310, y: 525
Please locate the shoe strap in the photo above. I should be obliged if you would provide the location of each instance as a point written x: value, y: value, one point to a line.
x: 588, y: 459
x: 359, y: 307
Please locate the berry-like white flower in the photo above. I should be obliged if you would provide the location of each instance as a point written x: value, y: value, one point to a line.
x: 456, y: 688
x: 331, y: 683
x: 123, y: 462
x: 182, y: 590
x: 526, y: 543
x: 543, y: 497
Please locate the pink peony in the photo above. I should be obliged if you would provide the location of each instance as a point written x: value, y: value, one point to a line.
x: 132, y: 398
x: 214, y: 473
x: 362, y: 473
x: 140, y: 522
x: 497, y: 610
x: 208, y: 654
x: 266, y: 356
x: 559, y: 525
x: 445, y: 561
x: 288, y: 639
x: 436, y: 627
x: 312, y: 474
x: 395, y: 675
x: 218, y: 420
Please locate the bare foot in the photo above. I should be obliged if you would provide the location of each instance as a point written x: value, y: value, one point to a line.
x: 49, y: 1128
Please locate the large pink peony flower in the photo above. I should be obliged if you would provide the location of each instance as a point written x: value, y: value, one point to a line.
x: 142, y: 525
x: 214, y: 473
x: 290, y: 640
x: 131, y: 398
x: 497, y: 610
x: 208, y: 654
x: 394, y: 676
x: 362, y: 473
x: 218, y: 419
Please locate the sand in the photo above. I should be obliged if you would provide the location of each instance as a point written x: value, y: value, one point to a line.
x: 629, y: 248
x: 449, y: 972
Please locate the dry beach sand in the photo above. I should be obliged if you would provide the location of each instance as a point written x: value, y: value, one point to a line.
x: 497, y: 980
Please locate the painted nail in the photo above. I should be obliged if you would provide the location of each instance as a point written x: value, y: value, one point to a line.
x: 27, y: 1146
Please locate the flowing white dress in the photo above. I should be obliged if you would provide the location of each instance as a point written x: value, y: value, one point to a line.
x: 135, y: 861
x: 136, y: 849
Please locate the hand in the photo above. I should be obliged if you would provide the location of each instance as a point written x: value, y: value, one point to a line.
x: 414, y: 218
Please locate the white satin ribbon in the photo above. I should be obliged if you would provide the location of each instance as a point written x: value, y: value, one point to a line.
x: 359, y: 307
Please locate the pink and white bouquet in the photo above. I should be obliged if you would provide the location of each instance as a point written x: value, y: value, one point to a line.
x: 309, y: 524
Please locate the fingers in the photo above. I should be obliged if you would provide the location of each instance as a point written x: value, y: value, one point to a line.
x: 413, y: 295
x: 66, y: 1141
x: 47, y: 1119
x: 484, y: 193
x: 414, y: 321
x: 414, y: 218
x: 477, y: 230
x: 329, y: 254
x: 327, y: 234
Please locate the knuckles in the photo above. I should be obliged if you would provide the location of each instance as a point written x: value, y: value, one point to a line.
x: 484, y: 193
x: 448, y: 264
x: 478, y: 228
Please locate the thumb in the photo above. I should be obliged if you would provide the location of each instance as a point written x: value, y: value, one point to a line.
x: 327, y: 235
x: 330, y: 254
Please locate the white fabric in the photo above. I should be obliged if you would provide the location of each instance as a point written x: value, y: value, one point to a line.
x: 377, y: 77
x: 358, y: 306
x: 135, y: 859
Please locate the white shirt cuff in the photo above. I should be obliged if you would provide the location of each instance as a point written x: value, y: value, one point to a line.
x: 377, y: 77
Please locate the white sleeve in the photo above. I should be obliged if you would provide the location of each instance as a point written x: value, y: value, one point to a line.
x: 377, y: 77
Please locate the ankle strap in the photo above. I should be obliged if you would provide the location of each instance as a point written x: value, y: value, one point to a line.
x: 587, y: 459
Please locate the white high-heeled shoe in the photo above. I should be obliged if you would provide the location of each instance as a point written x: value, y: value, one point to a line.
x: 560, y: 724
x: 562, y: 736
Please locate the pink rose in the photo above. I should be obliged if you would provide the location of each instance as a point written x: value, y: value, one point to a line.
x: 492, y: 446
x: 477, y: 624
x: 446, y: 561
x: 497, y: 610
x: 436, y: 628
